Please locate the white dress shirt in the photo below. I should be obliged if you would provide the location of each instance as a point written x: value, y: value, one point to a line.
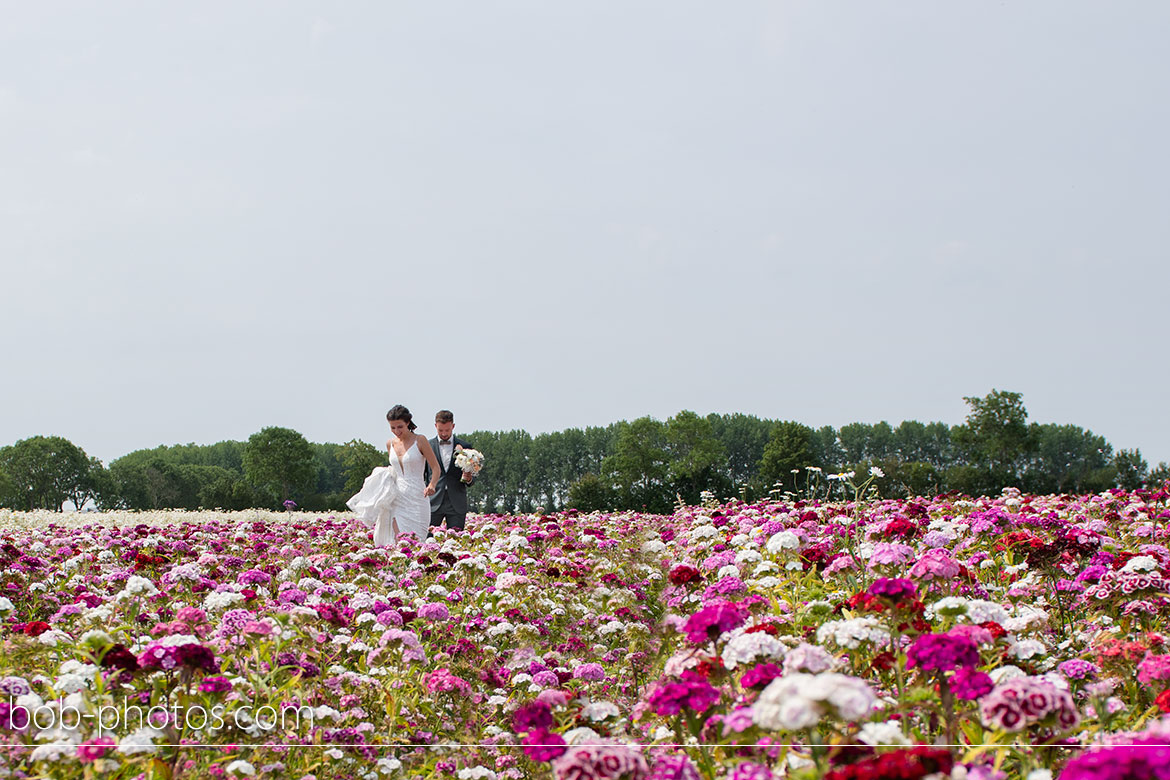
x: 446, y: 451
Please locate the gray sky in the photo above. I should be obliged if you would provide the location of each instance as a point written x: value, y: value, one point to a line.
x: 219, y: 216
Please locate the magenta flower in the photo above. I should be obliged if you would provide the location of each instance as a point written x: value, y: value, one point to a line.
x: 1145, y: 758
x: 1154, y: 667
x: 95, y: 749
x: 674, y: 767
x: 672, y: 698
x: 541, y: 745
x: 712, y: 621
x: 893, y: 591
x: 942, y: 652
x: 969, y: 683
x: 536, y: 716
x: 215, y: 685
x: 760, y: 675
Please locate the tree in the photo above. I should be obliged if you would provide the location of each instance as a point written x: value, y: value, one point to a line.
x: 698, y: 460
x: 88, y: 483
x: 358, y: 460
x: 743, y: 437
x: 44, y: 471
x: 1068, y: 459
x: 591, y: 493
x: 996, y: 439
x: 1130, y: 468
x: 639, y: 466
x: 279, y: 460
x: 790, y: 447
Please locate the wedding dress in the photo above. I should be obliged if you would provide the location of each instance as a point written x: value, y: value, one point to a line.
x: 391, y: 500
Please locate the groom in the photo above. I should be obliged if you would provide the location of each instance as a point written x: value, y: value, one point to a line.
x: 449, y: 503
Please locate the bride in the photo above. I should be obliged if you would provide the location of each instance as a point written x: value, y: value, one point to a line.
x: 393, y: 499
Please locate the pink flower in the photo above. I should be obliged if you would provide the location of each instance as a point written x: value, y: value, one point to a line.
x: 936, y: 563
x: 1154, y: 667
x: 94, y: 749
x: 601, y: 760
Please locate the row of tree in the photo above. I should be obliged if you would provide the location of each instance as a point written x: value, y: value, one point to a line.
x: 642, y: 464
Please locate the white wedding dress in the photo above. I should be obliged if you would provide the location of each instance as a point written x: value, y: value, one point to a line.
x: 391, y: 500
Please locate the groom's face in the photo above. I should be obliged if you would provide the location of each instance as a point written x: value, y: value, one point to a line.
x: 444, y: 429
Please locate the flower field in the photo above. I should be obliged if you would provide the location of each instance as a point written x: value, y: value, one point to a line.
x: 1016, y: 637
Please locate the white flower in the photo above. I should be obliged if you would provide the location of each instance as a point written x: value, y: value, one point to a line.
x: 214, y: 602
x: 852, y: 633
x: 874, y: 471
x: 240, y: 767
x: 580, y: 735
x: 1027, y: 648
x: 1140, y: 563
x: 883, y: 734
x: 979, y: 611
x: 5, y: 605
x: 1002, y: 674
x: 54, y: 751
x: 747, y: 647
x: 475, y: 773
x: 600, y: 710
x: 1040, y: 774
x: 388, y: 765
x: 784, y: 540
x: 139, y: 741
x: 807, y: 658
x: 798, y: 701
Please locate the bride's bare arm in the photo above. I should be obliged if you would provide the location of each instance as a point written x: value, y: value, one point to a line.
x: 432, y: 461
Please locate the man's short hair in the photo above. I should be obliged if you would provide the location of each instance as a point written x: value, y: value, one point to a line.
x: 444, y: 416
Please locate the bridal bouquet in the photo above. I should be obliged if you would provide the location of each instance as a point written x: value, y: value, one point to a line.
x: 470, y: 461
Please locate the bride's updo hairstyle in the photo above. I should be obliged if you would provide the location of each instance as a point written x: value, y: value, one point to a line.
x: 400, y: 412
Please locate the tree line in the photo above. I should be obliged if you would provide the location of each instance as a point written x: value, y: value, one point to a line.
x: 641, y: 464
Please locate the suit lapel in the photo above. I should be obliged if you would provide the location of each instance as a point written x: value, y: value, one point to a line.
x: 438, y: 455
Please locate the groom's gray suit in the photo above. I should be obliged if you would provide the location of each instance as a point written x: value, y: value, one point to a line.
x: 450, y: 499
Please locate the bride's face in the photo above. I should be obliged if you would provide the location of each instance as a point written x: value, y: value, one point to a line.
x: 398, y: 428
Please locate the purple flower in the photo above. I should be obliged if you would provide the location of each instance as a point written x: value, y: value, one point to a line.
x: 1077, y: 669
x: 544, y: 745
x: 760, y: 675
x: 215, y: 685
x: 536, y: 716
x: 941, y: 651
x: 893, y: 591
x: 674, y: 767
x: 1145, y: 758
x: 711, y: 621
x: 750, y: 771
x: 671, y: 698
x: 589, y: 672
x: 969, y: 683
x: 434, y: 612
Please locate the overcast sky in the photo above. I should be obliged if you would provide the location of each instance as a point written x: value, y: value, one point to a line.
x: 220, y: 216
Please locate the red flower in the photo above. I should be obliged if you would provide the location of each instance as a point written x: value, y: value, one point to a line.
x: 1163, y: 700
x: 683, y: 574
x: 996, y: 629
x: 36, y: 628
